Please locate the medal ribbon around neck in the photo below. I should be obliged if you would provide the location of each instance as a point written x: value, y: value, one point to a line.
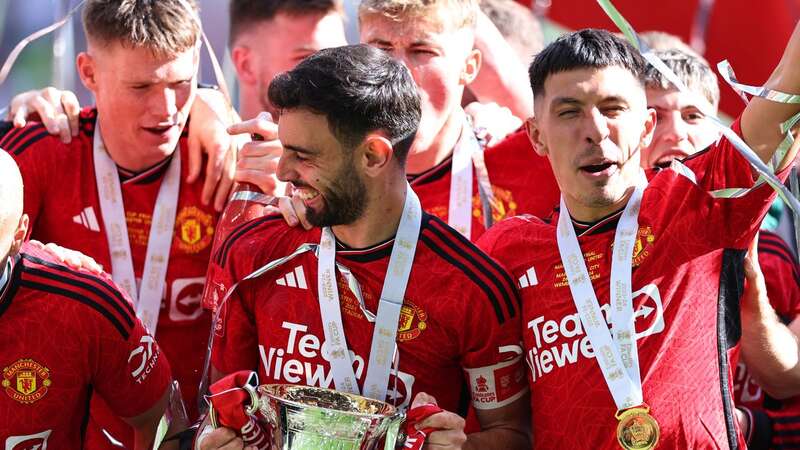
x: 394, y: 287
x: 467, y: 154
x: 148, y: 297
x: 617, y: 355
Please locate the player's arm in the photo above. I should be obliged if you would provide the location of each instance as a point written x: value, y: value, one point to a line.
x: 770, y: 349
x: 502, y: 78
x: 761, y: 118
x: 145, y: 425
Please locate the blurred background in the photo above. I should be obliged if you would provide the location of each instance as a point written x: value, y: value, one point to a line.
x: 750, y: 34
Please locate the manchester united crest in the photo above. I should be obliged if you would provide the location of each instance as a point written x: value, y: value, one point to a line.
x: 412, y: 322
x: 641, y: 249
x: 194, y: 229
x: 26, y: 381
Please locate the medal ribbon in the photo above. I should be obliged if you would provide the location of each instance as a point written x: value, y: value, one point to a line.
x: 467, y: 154
x: 148, y: 297
x: 617, y: 355
x: 385, y: 332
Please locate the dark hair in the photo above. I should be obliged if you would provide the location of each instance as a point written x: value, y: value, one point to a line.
x: 245, y: 13
x: 693, y: 71
x: 359, y: 89
x: 588, y: 48
x: 165, y: 27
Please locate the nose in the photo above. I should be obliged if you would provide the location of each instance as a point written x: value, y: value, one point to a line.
x: 285, y: 171
x: 164, y: 103
x: 674, y: 128
x: 595, y: 126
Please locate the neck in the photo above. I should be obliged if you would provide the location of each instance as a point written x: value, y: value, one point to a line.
x: 423, y: 154
x: 592, y: 213
x: 380, y: 219
x: 131, y: 160
x: 250, y: 103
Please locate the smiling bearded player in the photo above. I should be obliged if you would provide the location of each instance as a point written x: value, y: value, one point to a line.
x: 667, y: 284
x: 459, y: 327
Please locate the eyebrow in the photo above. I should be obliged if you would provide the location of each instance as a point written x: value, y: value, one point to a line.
x: 297, y: 149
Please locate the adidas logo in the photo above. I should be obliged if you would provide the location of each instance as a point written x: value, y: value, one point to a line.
x: 529, y: 279
x: 295, y: 279
x: 87, y: 219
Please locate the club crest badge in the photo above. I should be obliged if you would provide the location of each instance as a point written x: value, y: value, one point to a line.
x: 412, y: 322
x: 26, y: 381
x: 194, y: 229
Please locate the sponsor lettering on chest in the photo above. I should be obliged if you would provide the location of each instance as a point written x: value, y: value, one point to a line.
x: 554, y: 343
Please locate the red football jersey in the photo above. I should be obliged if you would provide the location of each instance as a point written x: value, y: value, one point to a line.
x: 522, y: 183
x: 62, y: 201
x: 687, y: 280
x: 780, y: 269
x: 67, y: 336
x: 459, y: 326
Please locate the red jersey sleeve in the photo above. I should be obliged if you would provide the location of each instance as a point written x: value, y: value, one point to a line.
x: 781, y: 274
x: 492, y: 345
x: 718, y: 221
x: 129, y: 372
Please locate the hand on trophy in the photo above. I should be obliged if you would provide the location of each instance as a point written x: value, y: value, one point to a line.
x: 449, y: 426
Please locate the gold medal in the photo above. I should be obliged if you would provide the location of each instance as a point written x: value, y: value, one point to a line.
x: 637, y: 429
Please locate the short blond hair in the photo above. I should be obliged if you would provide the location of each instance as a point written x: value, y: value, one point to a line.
x: 458, y: 14
x: 166, y: 27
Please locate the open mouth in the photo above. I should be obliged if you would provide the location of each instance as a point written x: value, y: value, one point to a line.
x: 306, y: 194
x: 159, y: 130
x: 601, y: 169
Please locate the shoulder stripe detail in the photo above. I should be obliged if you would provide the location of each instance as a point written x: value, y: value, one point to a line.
x: 787, y: 258
x: 498, y: 311
x: 241, y: 230
x: 108, y: 295
x: 25, y: 138
x: 109, y: 289
x: 9, y: 135
x: 125, y: 332
x: 489, y: 267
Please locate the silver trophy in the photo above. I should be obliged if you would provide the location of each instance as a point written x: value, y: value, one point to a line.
x: 311, y: 418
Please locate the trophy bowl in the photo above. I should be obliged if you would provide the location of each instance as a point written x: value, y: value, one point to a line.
x: 306, y: 418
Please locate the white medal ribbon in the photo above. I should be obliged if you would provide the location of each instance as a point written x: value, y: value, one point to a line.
x: 617, y: 356
x: 148, y: 297
x: 467, y: 154
x: 394, y: 287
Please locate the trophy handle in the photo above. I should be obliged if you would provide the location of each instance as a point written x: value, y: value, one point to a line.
x: 250, y: 410
x: 394, y: 437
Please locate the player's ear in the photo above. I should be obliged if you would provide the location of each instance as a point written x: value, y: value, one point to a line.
x: 86, y: 70
x: 376, y: 153
x: 20, y: 234
x: 471, y: 66
x: 244, y: 62
x: 649, y: 128
x: 535, y: 136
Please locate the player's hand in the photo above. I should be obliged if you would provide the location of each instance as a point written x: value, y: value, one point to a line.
x: 258, y: 159
x: 754, y: 298
x: 57, y: 110
x: 491, y: 121
x: 450, y: 427
x: 221, y: 439
x: 71, y: 258
x: 293, y: 211
x: 207, y: 135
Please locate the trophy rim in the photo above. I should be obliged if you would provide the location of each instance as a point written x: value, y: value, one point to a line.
x: 265, y: 389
